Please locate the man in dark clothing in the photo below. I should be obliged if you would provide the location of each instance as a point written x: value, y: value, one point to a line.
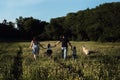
x: 64, y: 46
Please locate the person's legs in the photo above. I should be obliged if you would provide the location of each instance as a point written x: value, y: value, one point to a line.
x: 74, y: 56
x: 37, y: 51
x: 62, y: 55
x: 34, y: 53
x: 65, y: 53
x: 35, y: 56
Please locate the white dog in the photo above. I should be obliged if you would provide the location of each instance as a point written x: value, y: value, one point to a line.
x: 86, y: 51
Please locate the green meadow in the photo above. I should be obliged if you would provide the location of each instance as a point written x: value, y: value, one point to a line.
x: 17, y: 62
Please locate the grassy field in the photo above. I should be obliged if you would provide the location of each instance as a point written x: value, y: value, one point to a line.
x: 17, y: 63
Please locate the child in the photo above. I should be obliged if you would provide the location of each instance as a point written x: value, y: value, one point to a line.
x: 49, y: 50
x: 74, y: 53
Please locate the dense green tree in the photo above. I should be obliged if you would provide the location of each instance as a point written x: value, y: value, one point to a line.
x: 30, y: 27
x: 97, y: 24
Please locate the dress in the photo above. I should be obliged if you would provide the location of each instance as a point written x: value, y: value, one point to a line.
x: 35, y: 47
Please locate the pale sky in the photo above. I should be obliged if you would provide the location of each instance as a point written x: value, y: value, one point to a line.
x: 44, y: 9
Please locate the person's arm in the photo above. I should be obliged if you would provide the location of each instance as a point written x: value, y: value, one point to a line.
x: 53, y: 46
x: 41, y: 46
x: 70, y: 44
x: 58, y: 42
x: 31, y: 44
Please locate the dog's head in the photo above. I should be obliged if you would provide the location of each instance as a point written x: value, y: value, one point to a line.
x: 83, y: 47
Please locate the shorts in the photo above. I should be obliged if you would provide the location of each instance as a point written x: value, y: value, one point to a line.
x: 35, y: 50
x: 49, y: 52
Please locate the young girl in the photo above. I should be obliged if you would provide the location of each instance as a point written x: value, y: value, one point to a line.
x: 49, y: 50
x: 74, y: 53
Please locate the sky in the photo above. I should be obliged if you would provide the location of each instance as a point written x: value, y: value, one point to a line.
x: 44, y: 9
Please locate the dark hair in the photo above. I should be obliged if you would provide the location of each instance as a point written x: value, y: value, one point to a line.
x: 74, y: 47
x: 48, y: 45
x: 35, y: 39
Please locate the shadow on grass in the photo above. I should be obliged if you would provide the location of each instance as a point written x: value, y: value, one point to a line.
x: 104, y: 58
x: 16, y: 68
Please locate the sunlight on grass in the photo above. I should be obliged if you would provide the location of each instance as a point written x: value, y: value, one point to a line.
x: 17, y: 62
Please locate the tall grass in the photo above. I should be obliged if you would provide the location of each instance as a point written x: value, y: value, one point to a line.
x: 17, y: 62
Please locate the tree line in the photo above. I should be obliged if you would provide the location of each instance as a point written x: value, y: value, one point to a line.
x: 97, y: 24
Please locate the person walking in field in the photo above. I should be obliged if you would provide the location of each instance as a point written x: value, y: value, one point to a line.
x: 74, y: 53
x: 35, y: 47
x: 49, y: 50
x: 64, y: 46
